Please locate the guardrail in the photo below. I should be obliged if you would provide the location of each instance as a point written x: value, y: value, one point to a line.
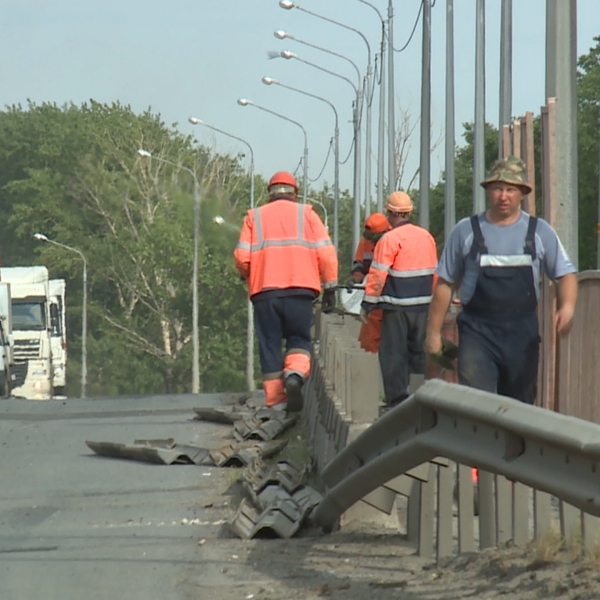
x: 525, y: 455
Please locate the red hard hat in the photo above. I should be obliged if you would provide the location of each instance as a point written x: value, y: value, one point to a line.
x: 283, y: 178
x: 377, y: 223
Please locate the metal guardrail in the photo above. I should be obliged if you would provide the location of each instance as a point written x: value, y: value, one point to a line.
x: 545, y: 450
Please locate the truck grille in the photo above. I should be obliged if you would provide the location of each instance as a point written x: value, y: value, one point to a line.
x: 19, y: 373
x: 27, y: 349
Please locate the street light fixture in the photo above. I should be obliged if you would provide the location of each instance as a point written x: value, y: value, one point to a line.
x: 43, y: 238
x: 336, y: 151
x: 246, y: 102
x: 288, y: 5
x: 220, y: 221
x: 195, y: 328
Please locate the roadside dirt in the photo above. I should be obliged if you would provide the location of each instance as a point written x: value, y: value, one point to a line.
x: 365, y: 562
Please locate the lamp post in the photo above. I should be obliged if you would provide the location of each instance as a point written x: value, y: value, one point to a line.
x: 356, y: 120
x: 325, y: 213
x: 288, y: 5
x: 336, y: 151
x: 43, y: 238
x: 195, y: 329
x: 246, y: 102
x: 250, y: 326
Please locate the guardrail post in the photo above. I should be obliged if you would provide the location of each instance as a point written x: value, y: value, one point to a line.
x: 541, y: 513
x: 520, y: 510
x: 466, y: 529
x: 503, y: 510
x: 590, y: 526
x: 487, y: 525
x: 445, y: 477
x: 426, y: 508
x: 570, y: 521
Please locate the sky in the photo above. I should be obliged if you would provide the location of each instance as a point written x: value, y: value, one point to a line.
x: 185, y: 58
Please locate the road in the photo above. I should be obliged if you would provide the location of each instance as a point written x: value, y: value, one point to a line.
x: 75, y: 525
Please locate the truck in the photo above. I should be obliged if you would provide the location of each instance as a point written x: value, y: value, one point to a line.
x: 30, y: 312
x: 6, y: 342
x: 58, y: 336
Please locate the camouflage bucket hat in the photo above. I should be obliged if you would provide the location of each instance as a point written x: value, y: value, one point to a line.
x: 509, y: 170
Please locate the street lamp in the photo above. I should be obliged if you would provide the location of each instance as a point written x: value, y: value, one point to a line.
x: 325, y: 214
x: 250, y: 326
x: 336, y: 151
x: 288, y: 5
x: 246, y: 102
x: 195, y: 329
x: 43, y: 238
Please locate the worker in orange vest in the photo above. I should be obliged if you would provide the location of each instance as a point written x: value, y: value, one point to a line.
x: 375, y: 226
x: 400, y: 282
x: 285, y: 255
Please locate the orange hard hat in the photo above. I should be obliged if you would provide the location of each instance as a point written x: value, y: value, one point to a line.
x: 283, y: 178
x: 399, y: 202
x: 377, y: 223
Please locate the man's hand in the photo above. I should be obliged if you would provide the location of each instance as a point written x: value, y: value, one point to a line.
x: 329, y: 301
x: 364, y: 315
x: 354, y: 279
x: 563, y: 320
x: 433, y: 343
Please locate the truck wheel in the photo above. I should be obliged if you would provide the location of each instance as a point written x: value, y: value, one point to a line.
x: 5, y: 385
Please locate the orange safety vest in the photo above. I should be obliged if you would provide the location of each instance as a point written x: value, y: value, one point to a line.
x: 363, y: 256
x: 283, y: 245
x: 402, y: 272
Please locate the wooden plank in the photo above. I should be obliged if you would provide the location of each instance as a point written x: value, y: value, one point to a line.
x: 503, y: 509
x: 528, y: 154
x: 541, y: 514
x: 466, y: 533
x: 506, y: 145
x: 487, y: 514
x: 520, y: 510
x: 445, y: 482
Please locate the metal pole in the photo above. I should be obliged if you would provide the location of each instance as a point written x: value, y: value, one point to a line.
x: 505, y: 72
x: 479, y: 124
x: 391, y: 102
x: 356, y: 228
x: 369, y: 97
x: 84, y: 330
x: 381, y: 133
x: 562, y: 84
x: 598, y: 223
x: 336, y: 188
x: 450, y: 183
x: 425, y: 169
x: 195, y: 328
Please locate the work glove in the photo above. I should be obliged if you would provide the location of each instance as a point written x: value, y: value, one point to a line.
x: 353, y: 280
x: 446, y: 356
x: 329, y: 301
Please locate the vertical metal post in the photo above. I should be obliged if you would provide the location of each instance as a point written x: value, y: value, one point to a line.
x: 479, y: 124
x: 368, y: 95
x: 505, y: 70
x: 195, y: 328
x: 450, y: 183
x: 356, y: 227
x: 381, y: 133
x: 336, y: 186
x: 598, y: 223
x: 424, y: 171
x: 391, y: 103
x: 250, y: 325
x: 84, y: 330
x: 561, y: 82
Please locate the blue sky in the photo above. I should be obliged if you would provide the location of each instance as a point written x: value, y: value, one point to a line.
x: 197, y: 57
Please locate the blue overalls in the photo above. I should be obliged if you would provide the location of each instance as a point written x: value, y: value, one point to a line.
x: 498, y: 327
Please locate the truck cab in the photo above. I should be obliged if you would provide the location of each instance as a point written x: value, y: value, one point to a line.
x: 30, y: 310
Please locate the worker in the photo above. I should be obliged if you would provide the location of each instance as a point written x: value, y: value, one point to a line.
x: 375, y: 226
x: 285, y: 255
x: 400, y: 283
x: 496, y: 260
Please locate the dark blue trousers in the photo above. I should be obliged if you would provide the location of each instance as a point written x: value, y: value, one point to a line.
x: 276, y: 319
x: 499, y: 357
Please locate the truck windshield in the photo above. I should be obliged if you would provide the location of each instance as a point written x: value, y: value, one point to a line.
x: 29, y: 316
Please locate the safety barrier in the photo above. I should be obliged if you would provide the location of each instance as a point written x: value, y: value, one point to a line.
x: 535, y: 466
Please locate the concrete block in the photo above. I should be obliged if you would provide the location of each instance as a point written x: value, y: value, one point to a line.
x: 362, y: 384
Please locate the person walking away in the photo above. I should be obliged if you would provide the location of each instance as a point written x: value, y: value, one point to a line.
x: 285, y: 255
x: 376, y: 225
x: 400, y: 283
x: 496, y: 259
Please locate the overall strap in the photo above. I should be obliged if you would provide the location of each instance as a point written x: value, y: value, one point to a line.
x: 530, y: 238
x: 478, y: 246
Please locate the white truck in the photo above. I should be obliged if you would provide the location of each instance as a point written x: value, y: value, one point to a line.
x: 30, y: 308
x: 6, y: 341
x: 58, y: 336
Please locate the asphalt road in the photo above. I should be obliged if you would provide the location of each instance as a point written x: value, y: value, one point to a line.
x: 74, y: 525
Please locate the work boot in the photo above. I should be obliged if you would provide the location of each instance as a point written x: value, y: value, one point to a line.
x: 293, y: 389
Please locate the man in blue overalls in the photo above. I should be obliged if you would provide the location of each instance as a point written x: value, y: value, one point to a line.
x: 496, y: 259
